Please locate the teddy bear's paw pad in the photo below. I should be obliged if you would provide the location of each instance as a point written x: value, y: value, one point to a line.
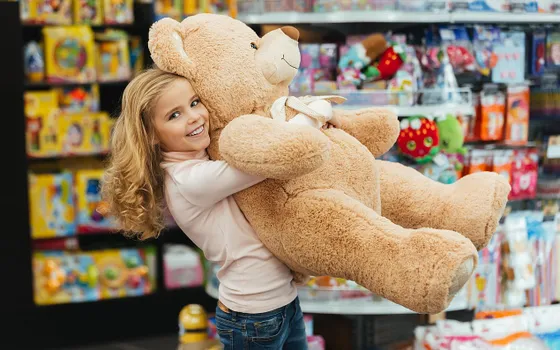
x: 462, y: 276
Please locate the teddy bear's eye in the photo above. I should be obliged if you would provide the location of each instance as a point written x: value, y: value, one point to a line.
x: 253, y: 46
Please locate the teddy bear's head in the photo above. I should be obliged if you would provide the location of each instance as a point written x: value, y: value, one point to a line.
x: 233, y: 70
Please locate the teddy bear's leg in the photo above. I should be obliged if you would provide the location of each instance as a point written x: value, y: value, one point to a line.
x: 377, y: 128
x: 332, y: 234
x: 471, y: 206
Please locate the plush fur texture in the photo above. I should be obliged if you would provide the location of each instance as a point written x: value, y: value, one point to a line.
x: 329, y: 207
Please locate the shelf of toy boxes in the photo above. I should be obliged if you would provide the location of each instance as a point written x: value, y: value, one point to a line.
x: 112, y: 314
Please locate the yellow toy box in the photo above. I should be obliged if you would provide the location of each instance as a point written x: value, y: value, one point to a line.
x: 88, y: 12
x: 46, y: 11
x: 85, y: 133
x: 113, y: 56
x: 126, y: 272
x: 118, y: 11
x: 42, y: 116
x: 90, y: 206
x: 51, y: 205
x: 69, y: 54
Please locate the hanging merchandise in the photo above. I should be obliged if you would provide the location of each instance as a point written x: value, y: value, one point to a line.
x: 517, y: 115
x: 484, y: 40
x: 419, y: 139
x: 510, y: 53
x: 458, y: 46
x: 538, y: 53
x: 524, y: 174
x: 490, y: 126
x: 553, y: 50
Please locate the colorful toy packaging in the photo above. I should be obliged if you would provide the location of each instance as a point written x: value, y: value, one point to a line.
x: 88, y: 12
x: 69, y: 277
x: 46, y: 11
x: 136, y: 55
x: 182, y: 267
x: 51, y: 198
x: 553, y: 49
x: 118, y: 11
x: 42, y: 117
x: 86, y: 133
x: 538, y: 57
x: 126, y: 272
x: 34, y: 63
x: 517, y: 118
x: 90, y: 213
x: 510, y: 53
x: 490, y: 123
x: 69, y: 54
x: 113, y: 56
x: 78, y: 99
x: 60, y: 278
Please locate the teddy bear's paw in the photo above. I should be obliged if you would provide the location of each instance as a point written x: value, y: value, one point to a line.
x: 444, y: 262
x: 482, y: 198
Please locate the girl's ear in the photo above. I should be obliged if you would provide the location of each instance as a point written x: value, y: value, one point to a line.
x: 167, y: 48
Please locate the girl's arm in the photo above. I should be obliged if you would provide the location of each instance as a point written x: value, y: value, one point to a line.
x: 205, y: 183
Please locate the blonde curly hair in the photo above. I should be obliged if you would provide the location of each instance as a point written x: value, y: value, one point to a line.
x: 133, y: 180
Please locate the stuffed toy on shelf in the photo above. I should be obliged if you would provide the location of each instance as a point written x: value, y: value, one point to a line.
x: 375, y: 57
x: 328, y: 207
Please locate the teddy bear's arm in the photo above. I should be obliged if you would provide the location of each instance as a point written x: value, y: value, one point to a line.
x: 377, y: 128
x: 273, y: 149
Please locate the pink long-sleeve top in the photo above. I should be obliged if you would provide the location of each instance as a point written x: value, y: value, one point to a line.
x: 198, y: 194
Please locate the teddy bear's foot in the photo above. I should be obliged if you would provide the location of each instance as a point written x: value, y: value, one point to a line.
x: 331, y: 234
x: 480, y: 201
x: 471, y: 206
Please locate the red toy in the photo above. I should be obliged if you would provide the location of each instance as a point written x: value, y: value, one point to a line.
x: 387, y: 64
x: 419, y: 139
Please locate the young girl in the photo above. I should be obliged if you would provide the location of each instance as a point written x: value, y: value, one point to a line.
x: 158, y: 153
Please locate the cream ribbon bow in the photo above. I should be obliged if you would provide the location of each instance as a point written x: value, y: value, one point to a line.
x: 312, y: 110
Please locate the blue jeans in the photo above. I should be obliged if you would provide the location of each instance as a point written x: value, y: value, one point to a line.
x: 278, y: 329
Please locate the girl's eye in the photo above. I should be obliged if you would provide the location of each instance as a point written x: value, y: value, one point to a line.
x: 253, y: 46
x: 174, y: 115
x: 195, y: 103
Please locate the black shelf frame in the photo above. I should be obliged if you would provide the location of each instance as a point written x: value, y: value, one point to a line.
x: 76, y: 324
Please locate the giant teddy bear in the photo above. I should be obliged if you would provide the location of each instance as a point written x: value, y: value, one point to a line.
x: 328, y: 207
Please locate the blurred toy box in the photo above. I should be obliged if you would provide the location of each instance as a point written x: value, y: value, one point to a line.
x: 91, y: 214
x: 65, y: 277
x: 51, y: 205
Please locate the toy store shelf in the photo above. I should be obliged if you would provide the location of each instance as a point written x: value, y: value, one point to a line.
x: 344, y: 17
x: 366, y: 307
x: 395, y: 17
x: 493, y: 17
x: 363, y: 306
x: 426, y: 110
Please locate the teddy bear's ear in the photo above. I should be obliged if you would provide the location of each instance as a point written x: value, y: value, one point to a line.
x: 166, y: 47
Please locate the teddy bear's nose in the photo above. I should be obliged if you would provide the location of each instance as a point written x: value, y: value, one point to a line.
x: 290, y: 31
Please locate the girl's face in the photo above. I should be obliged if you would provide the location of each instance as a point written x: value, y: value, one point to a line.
x: 181, y: 120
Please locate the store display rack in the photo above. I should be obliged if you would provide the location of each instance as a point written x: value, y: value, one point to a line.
x: 395, y: 17
x: 73, y: 324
